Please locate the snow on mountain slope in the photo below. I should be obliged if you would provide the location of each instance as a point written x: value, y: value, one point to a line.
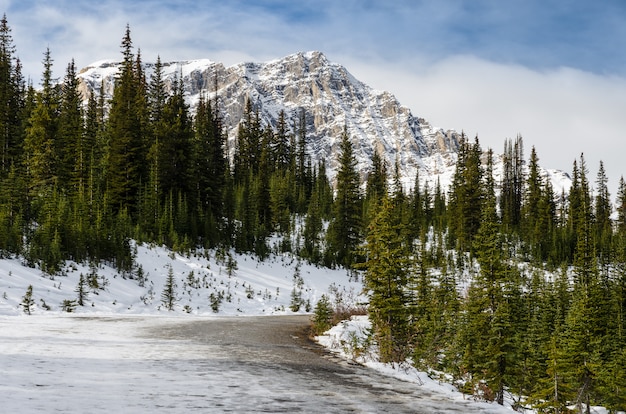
x: 331, y: 99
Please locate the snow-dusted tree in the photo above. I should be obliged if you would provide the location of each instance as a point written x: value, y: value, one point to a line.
x: 27, y: 300
x: 296, y: 293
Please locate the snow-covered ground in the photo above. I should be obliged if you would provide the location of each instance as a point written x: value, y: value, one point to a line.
x: 204, y: 282
x: 56, y: 359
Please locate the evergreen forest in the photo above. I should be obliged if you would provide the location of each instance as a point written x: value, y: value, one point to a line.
x: 508, y: 288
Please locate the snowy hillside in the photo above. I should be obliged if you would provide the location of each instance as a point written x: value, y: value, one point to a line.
x: 230, y: 285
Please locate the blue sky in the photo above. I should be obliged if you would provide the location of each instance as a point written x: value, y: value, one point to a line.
x: 552, y: 71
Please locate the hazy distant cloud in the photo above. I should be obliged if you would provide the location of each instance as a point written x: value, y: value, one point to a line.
x: 563, y: 112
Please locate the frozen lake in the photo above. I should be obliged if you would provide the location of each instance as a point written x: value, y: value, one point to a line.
x: 156, y: 364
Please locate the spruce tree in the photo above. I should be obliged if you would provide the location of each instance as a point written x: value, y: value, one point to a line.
x: 345, y: 227
x: 464, y: 208
x: 168, y: 297
x: 322, y: 315
x: 376, y: 184
x: 210, y: 161
x: 175, y: 144
x: 584, y: 324
x: 621, y: 207
x: 248, y: 144
x: 603, y: 222
x: 387, y: 272
x: 303, y: 163
x: 423, y: 308
x: 153, y: 194
x: 72, y: 150
x: 486, y: 337
x: 27, y: 300
x: 512, y: 185
x: 40, y: 143
x: 11, y: 101
x: 312, y: 229
x: 280, y: 144
x: 530, y: 213
x: 81, y: 290
x: 126, y: 152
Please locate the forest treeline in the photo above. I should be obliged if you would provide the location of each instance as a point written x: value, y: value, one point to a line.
x: 505, y: 286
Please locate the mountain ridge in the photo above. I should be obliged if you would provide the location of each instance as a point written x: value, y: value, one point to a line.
x: 331, y: 97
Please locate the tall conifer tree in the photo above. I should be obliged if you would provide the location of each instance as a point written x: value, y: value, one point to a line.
x: 345, y: 227
x: 126, y: 156
x: 386, y: 280
x: 40, y: 145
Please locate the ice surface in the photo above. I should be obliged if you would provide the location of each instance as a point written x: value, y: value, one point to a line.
x: 155, y: 364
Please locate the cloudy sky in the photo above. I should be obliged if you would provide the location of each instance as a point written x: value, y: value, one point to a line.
x: 553, y: 71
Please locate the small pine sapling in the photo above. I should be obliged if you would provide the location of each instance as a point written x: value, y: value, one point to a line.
x: 27, y: 300
x: 68, y: 305
x: 296, y: 293
x: 81, y: 290
x: 322, y: 315
x: 168, y: 297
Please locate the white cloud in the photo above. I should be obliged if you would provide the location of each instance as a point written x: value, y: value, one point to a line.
x: 562, y: 112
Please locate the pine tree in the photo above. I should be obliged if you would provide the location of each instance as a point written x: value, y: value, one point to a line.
x: 345, y: 228
x: 440, y: 209
x: 27, y: 300
x: 376, y: 184
x: 621, y: 207
x: 81, y: 290
x: 423, y: 316
x: 153, y: 194
x: 40, y: 146
x: 168, y: 297
x: 531, y: 207
x: 14, y: 205
x: 603, y: 221
x: 260, y: 186
x: 375, y: 188
x: 126, y: 154
x: 210, y: 161
x: 445, y: 314
x: 303, y: 164
x: 248, y: 145
x: 486, y: 337
x: 583, y: 324
x: 280, y: 147
x: 324, y: 189
x: 175, y: 144
x: 550, y: 391
x: 512, y: 185
x: 322, y: 315
x: 387, y: 272
x: 72, y: 151
x: 11, y: 101
x: 464, y: 208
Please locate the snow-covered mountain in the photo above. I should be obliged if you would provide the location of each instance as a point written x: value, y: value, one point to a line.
x: 331, y: 98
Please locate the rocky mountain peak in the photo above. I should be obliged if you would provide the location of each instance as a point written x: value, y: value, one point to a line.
x: 331, y: 99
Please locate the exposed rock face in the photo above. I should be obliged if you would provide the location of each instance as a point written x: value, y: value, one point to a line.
x: 331, y: 98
